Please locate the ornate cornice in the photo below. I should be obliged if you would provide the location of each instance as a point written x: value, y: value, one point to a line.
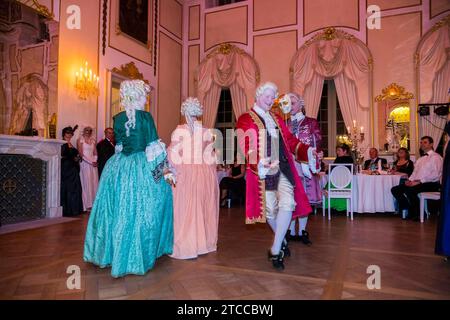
x: 130, y: 71
x: 228, y: 48
x: 394, y: 92
x: 443, y: 22
x: 330, y: 34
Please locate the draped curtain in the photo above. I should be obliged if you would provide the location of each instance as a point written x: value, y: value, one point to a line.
x: 228, y: 66
x: 434, y: 79
x: 340, y: 57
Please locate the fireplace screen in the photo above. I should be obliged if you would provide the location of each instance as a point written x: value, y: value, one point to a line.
x: 22, y: 188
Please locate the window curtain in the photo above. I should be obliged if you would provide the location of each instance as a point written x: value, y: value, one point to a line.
x: 335, y: 54
x: 231, y: 67
x: 434, y: 79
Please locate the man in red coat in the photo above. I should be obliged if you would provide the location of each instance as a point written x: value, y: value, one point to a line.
x: 274, y: 190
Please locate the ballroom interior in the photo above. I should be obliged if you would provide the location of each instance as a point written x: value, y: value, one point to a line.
x: 373, y: 73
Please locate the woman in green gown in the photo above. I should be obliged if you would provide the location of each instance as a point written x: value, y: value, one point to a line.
x: 131, y: 223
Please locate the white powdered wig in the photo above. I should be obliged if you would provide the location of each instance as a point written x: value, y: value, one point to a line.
x: 133, y: 96
x: 300, y: 99
x: 266, y: 85
x: 191, y: 108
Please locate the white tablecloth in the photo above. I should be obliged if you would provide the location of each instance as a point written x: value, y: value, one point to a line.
x: 372, y: 193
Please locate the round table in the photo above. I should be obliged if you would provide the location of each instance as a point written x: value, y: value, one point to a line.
x: 372, y: 193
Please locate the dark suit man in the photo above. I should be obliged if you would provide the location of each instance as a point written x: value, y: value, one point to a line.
x: 373, y: 152
x: 105, y: 149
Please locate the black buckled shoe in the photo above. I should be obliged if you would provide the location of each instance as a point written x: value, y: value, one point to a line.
x: 277, y: 259
x: 285, y: 249
x: 304, y: 238
x: 288, y: 237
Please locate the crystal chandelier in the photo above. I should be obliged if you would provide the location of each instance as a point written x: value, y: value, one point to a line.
x: 86, y: 82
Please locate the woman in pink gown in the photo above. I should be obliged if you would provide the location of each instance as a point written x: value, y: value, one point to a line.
x: 88, y: 167
x: 196, y: 193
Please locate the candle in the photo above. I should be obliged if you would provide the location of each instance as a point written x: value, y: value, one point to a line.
x: 354, y: 123
x: 362, y: 129
x: 348, y: 129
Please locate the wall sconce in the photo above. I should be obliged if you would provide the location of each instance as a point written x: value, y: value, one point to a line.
x: 86, y: 82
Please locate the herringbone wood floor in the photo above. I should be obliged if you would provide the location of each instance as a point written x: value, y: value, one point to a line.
x: 33, y: 264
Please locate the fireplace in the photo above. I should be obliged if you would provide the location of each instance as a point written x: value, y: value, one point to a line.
x: 23, y: 184
x: 30, y: 178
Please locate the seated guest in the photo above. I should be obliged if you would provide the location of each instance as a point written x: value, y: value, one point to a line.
x: 343, y: 154
x: 234, y: 183
x: 343, y: 157
x: 105, y: 149
x: 372, y: 163
x: 425, y: 178
x: 403, y: 164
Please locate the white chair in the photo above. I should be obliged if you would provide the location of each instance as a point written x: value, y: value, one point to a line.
x: 424, y: 196
x: 340, y: 177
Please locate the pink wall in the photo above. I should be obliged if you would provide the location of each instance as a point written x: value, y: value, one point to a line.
x: 270, y: 26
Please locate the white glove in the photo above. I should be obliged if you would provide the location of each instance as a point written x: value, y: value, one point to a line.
x: 306, y: 171
x: 170, y: 178
x: 263, y: 169
x: 312, y: 160
x: 265, y: 166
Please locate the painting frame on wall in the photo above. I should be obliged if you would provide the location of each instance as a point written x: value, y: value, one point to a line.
x: 129, y: 43
x: 133, y: 20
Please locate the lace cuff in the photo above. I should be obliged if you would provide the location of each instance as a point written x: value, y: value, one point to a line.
x: 118, y: 148
x: 156, y: 151
x: 157, y: 155
x: 312, y: 161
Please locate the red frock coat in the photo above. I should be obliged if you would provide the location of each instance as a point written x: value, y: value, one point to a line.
x: 251, y: 135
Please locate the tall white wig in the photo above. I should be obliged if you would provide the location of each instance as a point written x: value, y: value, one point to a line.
x: 131, y: 98
x: 300, y: 99
x: 266, y: 85
x: 191, y: 108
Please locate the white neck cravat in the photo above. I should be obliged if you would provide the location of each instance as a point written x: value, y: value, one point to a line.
x: 299, y: 116
x: 271, y: 126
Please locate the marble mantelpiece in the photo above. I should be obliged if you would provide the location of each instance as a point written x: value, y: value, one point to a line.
x: 48, y: 150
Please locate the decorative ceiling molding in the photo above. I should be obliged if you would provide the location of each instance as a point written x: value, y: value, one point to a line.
x: 34, y: 4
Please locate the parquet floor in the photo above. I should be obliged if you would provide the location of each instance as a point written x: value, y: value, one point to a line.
x: 33, y: 264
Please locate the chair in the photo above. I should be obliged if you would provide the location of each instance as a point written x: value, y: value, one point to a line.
x: 424, y: 196
x: 340, y: 176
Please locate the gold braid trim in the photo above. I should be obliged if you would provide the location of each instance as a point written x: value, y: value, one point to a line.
x: 261, y: 182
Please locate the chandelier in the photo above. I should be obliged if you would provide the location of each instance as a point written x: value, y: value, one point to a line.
x: 86, y: 82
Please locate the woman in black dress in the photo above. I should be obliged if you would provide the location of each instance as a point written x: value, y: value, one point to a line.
x: 71, y: 200
x: 235, y: 183
x: 403, y: 164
